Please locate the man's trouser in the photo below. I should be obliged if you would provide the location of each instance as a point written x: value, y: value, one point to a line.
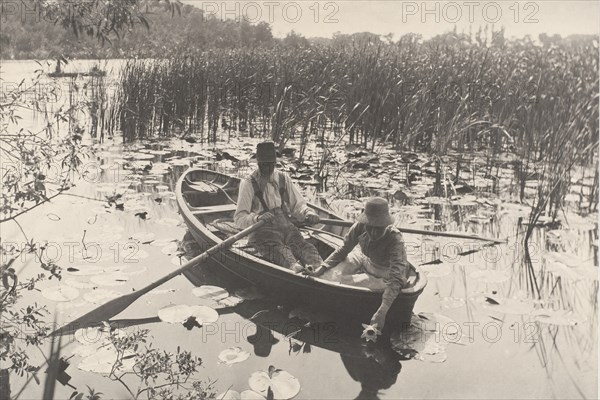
x: 281, y: 243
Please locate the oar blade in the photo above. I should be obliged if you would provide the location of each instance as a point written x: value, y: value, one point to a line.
x: 103, y: 313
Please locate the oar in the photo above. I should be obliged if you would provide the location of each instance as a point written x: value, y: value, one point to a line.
x: 114, y: 307
x: 339, y: 222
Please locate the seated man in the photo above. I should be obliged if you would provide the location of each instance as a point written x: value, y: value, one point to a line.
x: 380, y: 258
x: 271, y: 195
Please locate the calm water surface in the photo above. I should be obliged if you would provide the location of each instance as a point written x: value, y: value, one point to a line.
x: 467, y: 348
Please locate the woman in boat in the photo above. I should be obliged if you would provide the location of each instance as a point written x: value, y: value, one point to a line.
x: 378, y: 263
x: 271, y: 196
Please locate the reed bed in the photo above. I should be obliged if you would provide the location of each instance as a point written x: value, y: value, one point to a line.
x: 452, y: 94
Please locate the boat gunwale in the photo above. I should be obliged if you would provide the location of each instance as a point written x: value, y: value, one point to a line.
x: 310, y: 281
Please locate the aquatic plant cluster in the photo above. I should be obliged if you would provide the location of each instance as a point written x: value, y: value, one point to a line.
x: 447, y: 92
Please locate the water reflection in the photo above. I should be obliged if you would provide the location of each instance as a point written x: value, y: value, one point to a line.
x: 374, y: 365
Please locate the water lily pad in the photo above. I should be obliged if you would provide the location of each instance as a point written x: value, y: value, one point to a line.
x: 452, y: 302
x: 210, y: 292
x: 558, y: 317
x: 231, y: 301
x: 78, y: 284
x: 180, y: 313
x: 112, y: 279
x: 143, y: 237
x: 170, y: 249
x: 85, y: 270
x: 84, y: 351
x: 233, y: 355
x: 251, y: 395
x: 92, y: 335
x: 229, y: 395
x: 60, y: 293
x: 103, y: 361
x: 491, y: 275
x: 283, y: 384
x: 132, y: 269
x: 437, y: 270
x: 100, y: 296
x: 163, y: 242
x: 169, y: 222
x: 507, y: 305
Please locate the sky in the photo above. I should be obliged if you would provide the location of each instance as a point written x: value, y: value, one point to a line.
x: 313, y: 18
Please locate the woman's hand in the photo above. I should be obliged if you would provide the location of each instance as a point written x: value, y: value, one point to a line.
x: 378, y: 320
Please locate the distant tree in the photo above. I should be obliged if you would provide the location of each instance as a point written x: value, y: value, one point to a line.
x: 295, y: 40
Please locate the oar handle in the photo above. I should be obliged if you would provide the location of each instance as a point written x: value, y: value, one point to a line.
x: 225, y: 244
x: 340, y: 222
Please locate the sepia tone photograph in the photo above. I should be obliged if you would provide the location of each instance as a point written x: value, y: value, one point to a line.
x: 310, y: 199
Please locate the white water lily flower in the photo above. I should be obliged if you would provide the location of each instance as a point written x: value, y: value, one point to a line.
x: 60, y: 293
x: 370, y: 332
x: 210, y: 292
x: 283, y: 385
x: 180, y: 313
x: 233, y: 355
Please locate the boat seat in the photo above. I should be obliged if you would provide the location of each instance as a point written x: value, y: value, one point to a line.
x: 213, y: 209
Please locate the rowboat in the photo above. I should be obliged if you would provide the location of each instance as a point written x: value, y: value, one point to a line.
x: 207, y: 202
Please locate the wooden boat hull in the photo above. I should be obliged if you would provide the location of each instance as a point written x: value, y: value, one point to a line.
x: 354, y: 303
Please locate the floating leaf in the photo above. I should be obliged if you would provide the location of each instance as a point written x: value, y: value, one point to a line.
x: 491, y: 275
x: 60, y: 293
x: 85, y: 270
x: 251, y: 395
x: 452, y: 302
x: 233, y: 355
x: 170, y: 249
x: 143, y: 237
x: 283, y: 385
x: 230, y: 301
x: 169, y: 222
x: 132, y: 270
x: 229, y: 395
x: 210, y: 292
x: 558, y: 317
x: 78, y: 284
x: 89, y: 335
x: 100, y: 296
x: 178, y: 314
x: 103, y: 361
x: 436, y: 270
x: 112, y: 279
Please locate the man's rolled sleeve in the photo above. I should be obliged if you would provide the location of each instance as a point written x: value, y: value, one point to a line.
x: 298, y: 206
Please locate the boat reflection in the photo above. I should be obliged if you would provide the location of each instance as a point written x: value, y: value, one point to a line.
x: 374, y: 365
